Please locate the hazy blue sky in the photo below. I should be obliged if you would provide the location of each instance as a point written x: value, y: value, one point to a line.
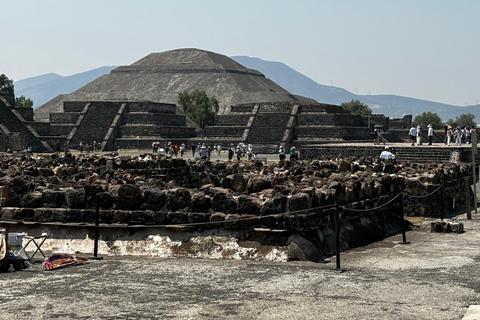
x: 421, y: 49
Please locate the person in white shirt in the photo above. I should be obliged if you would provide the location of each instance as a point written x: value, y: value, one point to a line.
x: 386, y: 154
x: 430, y: 134
x: 413, y: 134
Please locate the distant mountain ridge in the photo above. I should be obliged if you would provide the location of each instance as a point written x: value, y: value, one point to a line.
x: 393, y: 106
x: 43, y: 88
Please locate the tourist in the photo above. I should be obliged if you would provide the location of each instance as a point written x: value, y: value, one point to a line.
x: 219, y: 149
x: 386, y: 154
x: 380, y: 136
x: 413, y: 134
x: 449, y: 135
x: 203, y: 152
x: 467, y: 135
x: 458, y: 136
x: 473, y: 132
x: 430, y: 134
x: 81, y: 146
x: 231, y: 151
x: 193, y: 149
x: 238, y: 152
x: 419, y: 135
x: 445, y: 130
x: 182, y: 149
x: 281, y: 153
x: 375, y: 137
x: 293, y: 153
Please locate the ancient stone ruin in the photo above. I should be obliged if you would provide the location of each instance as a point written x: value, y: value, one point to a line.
x: 253, y: 202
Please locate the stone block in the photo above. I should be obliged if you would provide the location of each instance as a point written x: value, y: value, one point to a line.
x: 446, y: 226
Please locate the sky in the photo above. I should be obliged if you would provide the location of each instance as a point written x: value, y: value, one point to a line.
x: 424, y: 49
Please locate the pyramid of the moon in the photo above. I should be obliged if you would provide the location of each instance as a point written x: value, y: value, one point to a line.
x: 160, y: 77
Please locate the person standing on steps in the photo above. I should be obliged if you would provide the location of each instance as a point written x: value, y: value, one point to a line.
x: 430, y: 134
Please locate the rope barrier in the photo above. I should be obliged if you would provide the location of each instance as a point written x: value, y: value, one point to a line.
x: 424, y: 196
x: 371, y: 209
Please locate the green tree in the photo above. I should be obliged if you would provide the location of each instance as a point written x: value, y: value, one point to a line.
x: 22, y: 102
x: 427, y: 118
x: 199, y: 107
x: 466, y: 120
x: 6, y: 85
x: 357, y: 107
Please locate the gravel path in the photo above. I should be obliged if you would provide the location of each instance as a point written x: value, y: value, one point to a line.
x: 435, y: 277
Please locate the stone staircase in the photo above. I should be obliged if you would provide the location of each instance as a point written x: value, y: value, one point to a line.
x: 120, y: 124
x: 13, y: 122
x: 420, y: 154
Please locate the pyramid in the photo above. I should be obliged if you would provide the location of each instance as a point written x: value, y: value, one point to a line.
x: 160, y: 77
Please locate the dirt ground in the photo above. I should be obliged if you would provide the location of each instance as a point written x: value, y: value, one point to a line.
x: 436, y: 276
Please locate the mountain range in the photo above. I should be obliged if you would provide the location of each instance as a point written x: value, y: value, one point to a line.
x: 43, y: 88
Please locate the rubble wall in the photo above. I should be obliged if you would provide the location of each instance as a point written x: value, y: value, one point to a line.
x: 267, y: 203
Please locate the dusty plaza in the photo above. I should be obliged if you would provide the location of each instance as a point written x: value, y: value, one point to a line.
x: 436, y: 276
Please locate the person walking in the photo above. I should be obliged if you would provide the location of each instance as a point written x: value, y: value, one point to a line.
x: 413, y: 134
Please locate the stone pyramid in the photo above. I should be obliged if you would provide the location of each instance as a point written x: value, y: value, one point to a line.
x: 160, y: 77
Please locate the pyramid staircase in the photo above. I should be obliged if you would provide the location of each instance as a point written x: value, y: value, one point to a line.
x: 12, y: 121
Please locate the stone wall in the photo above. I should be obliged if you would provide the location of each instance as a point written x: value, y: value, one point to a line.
x: 222, y: 131
x: 401, y: 123
x: 14, y: 141
x: 26, y: 113
x: 74, y: 106
x: 144, y: 106
x: 154, y: 118
x: 245, y: 108
x: 378, y: 121
x: 275, y: 107
x: 42, y: 128
x: 61, y: 130
x: 326, y: 108
x: 64, y: 117
x: 329, y: 119
x: 326, y: 133
x: 299, y: 197
x: 233, y: 119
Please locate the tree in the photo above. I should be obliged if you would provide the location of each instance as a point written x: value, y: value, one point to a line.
x: 466, y: 120
x: 6, y: 85
x: 357, y: 107
x: 427, y: 118
x: 22, y: 102
x: 199, y: 107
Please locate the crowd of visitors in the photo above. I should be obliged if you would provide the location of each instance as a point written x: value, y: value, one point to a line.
x: 457, y: 135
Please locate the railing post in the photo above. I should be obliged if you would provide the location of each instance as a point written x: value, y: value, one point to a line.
x: 441, y: 197
x: 97, y: 231
x: 402, y: 220
x: 468, y: 208
x: 337, y: 237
